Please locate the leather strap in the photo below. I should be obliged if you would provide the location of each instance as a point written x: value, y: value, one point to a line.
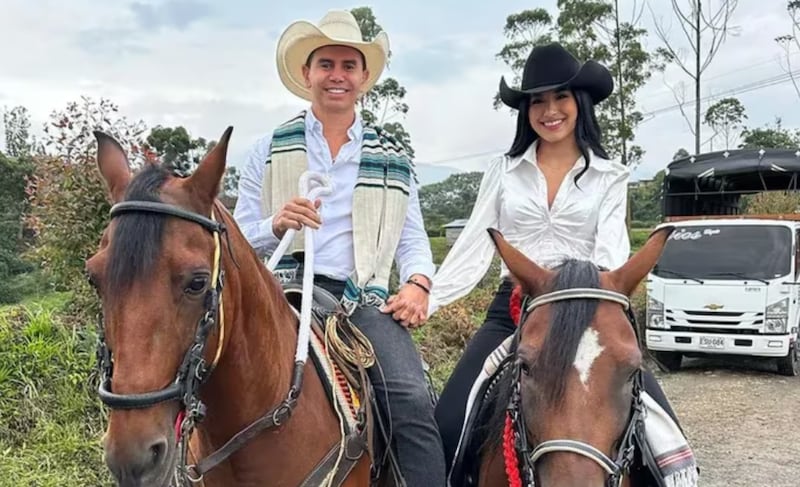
x: 355, y: 446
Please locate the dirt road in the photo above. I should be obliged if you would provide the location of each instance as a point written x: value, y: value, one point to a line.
x: 742, y: 419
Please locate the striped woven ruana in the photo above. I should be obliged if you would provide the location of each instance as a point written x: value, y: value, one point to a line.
x: 380, y: 202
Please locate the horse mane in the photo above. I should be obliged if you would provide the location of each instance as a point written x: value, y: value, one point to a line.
x: 568, y: 321
x: 138, y: 236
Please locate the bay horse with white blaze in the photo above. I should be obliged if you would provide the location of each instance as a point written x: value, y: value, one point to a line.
x: 567, y: 411
x: 187, y: 356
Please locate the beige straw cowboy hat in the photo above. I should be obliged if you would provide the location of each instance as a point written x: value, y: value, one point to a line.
x: 337, y: 27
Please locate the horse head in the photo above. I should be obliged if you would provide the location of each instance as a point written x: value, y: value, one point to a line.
x: 578, y: 366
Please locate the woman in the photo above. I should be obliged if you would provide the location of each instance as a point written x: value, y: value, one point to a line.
x: 554, y: 195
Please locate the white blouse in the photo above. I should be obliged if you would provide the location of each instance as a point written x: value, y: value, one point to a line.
x: 585, y: 222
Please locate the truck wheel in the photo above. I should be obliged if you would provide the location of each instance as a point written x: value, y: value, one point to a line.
x: 669, y: 361
x: 790, y: 364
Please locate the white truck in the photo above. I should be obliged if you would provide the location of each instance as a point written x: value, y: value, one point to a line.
x: 727, y: 285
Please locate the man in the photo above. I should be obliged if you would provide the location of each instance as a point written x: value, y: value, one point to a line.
x: 371, y: 218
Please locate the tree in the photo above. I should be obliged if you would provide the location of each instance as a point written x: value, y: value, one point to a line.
x: 176, y: 148
x: 448, y: 200
x: 788, y: 40
x: 69, y: 205
x: 776, y: 137
x: 384, y: 104
x: 725, y: 116
x: 645, y: 201
x: 13, y: 204
x: 595, y: 29
x: 592, y: 29
x: 696, y: 25
x: 69, y: 133
x: 680, y: 154
x: 524, y: 31
x: 16, y: 125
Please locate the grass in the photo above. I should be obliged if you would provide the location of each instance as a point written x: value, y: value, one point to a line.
x: 50, y: 421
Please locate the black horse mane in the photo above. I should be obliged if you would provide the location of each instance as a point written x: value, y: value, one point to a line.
x: 138, y: 236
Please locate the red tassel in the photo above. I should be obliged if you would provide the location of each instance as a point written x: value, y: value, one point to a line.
x: 510, y: 454
x: 179, y: 423
x: 515, y: 304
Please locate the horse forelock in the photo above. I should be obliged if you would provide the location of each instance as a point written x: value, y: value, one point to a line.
x: 569, y: 321
x: 138, y: 237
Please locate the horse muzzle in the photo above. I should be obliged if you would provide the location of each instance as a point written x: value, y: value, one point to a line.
x: 141, y: 462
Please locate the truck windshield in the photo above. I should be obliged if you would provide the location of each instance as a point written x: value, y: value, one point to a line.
x: 727, y: 252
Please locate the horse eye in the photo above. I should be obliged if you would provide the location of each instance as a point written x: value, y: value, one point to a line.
x: 197, y: 285
x: 524, y: 367
x: 92, y: 280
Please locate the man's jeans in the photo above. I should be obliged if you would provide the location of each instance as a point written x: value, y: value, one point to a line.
x: 402, y: 393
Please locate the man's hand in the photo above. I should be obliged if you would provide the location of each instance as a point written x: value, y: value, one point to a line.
x: 410, y: 305
x: 296, y: 214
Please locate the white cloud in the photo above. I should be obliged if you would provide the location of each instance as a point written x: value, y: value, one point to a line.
x: 206, y: 73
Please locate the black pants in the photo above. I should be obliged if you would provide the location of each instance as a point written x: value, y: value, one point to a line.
x: 497, y: 327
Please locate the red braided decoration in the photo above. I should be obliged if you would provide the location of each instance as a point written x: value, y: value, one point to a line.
x: 510, y: 454
x: 179, y: 423
x: 515, y: 304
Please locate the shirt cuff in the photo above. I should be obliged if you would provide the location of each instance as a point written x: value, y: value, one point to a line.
x: 269, y: 240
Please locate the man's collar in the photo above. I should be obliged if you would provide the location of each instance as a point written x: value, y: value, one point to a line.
x: 313, y: 124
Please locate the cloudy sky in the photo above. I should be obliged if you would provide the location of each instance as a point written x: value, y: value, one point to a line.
x: 203, y: 65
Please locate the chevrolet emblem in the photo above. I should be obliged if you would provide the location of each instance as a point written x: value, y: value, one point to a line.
x: 713, y: 307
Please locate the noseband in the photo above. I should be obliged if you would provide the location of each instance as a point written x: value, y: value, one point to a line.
x: 615, y: 469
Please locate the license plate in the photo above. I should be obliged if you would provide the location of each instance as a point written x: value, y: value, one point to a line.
x: 714, y: 343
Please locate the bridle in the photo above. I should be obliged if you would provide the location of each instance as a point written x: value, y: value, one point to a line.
x: 615, y: 469
x: 194, y: 369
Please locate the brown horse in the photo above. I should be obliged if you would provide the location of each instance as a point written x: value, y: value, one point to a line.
x: 570, y: 396
x: 174, y: 357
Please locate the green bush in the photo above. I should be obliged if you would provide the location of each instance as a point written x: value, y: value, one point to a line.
x: 69, y: 206
x: 50, y: 419
x: 638, y: 237
x: 771, y: 202
x: 14, y: 175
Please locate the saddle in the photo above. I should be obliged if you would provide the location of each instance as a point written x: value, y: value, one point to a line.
x: 335, y: 345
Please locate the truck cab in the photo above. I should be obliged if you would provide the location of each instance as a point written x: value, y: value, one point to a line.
x: 726, y: 286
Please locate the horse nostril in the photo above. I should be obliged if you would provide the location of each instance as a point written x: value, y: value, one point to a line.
x: 158, y: 451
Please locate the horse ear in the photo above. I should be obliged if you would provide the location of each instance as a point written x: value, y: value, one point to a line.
x: 113, y: 165
x: 533, y: 278
x: 628, y: 277
x: 207, y: 177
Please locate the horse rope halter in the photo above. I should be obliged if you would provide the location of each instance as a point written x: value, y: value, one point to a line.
x: 194, y: 369
x: 615, y: 469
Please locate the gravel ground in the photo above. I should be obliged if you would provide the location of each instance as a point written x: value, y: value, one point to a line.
x: 741, y: 418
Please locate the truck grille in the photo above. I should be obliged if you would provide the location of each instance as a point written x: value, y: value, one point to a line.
x: 701, y: 319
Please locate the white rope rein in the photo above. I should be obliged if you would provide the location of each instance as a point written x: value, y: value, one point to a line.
x: 312, y: 185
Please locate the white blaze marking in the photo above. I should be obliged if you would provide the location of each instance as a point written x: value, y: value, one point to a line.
x: 588, y: 350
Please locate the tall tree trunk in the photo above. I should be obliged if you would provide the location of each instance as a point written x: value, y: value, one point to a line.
x: 697, y: 83
x: 618, y: 34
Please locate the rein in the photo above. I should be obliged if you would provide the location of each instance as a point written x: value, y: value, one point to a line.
x: 521, y: 461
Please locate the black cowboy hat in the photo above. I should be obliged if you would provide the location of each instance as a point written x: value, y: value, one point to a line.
x: 551, y: 67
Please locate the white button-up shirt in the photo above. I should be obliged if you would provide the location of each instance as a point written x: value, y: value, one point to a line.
x: 585, y: 222
x: 333, y: 241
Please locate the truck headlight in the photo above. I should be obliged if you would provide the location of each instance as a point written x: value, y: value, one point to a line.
x: 777, y: 317
x: 655, y: 314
